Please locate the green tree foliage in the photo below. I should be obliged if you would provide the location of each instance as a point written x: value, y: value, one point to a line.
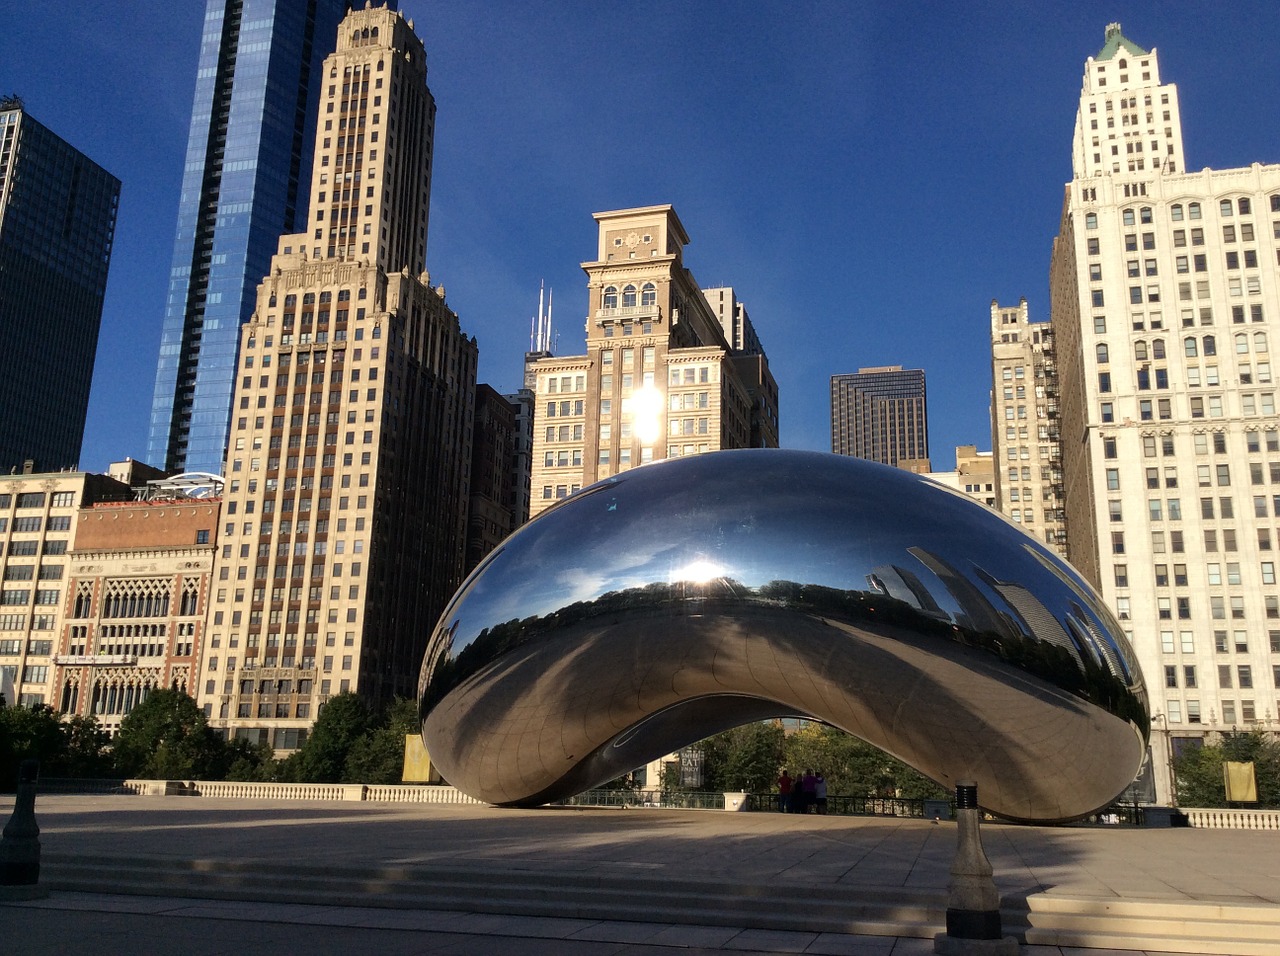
x: 88, y: 749
x: 378, y: 755
x: 166, y: 737
x: 65, y: 747
x: 251, y: 762
x: 342, y: 722
x: 853, y: 767
x: 744, y: 758
x: 1199, y: 769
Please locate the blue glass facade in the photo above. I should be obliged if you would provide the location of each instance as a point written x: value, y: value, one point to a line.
x: 245, y: 184
x: 57, y: 221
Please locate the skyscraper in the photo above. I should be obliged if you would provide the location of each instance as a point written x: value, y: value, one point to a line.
x: 661, y: 377
x: 245, y: 180
x: 57, y: 220
x: 880, y: 414
x: 1165, y: 297
x: 348, y: 466
x: 1026, y: 424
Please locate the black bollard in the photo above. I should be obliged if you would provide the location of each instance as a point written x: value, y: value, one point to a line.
x: 20, y: 845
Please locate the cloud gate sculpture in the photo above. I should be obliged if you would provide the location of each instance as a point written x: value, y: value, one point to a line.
x: 683, y: 598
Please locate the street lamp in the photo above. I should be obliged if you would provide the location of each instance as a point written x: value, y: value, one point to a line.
x: 1167, y: 736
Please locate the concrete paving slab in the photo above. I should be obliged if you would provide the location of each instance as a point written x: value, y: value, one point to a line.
x: 758, y: 848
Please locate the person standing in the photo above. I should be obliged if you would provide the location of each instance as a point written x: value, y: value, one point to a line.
x: 808, y: 784
x: 820, y: 793
x: 785, y: 786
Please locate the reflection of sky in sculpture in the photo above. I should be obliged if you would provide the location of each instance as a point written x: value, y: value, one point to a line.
x: 829, y: 540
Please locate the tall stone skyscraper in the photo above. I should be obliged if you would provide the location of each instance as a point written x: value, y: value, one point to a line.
x: 349, y: 456
x: 1026, y: 424
x: 1165, y: 299
x: 57, y: 220
x: 880, y: 414
x: 245, y: 181
x: 662, y: 377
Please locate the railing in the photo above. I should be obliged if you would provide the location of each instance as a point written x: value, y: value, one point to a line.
x: 671, y: 800
x: 697, y: 800
x: 1123, y: 814
x: 1218, y: 819
x: 249, y: 790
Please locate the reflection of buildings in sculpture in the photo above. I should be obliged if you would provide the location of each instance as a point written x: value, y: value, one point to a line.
x: 976, y: 612
x: 881, y: 414
x: 1104, y: 651
x: 661, y: 377
x: 1036, y: 619
x: 347, y: 466
x: 897, y: 582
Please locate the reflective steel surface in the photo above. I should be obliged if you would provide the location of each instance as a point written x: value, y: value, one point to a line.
x: 686, y: 597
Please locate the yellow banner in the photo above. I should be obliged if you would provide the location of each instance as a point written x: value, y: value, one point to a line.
x: 417, y: 765
x: 1239, y: 781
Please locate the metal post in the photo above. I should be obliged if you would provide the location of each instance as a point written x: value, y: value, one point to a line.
x: 20, y: 844
x: 973, y: 902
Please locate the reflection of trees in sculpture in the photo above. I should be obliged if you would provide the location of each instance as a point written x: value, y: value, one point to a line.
x: 873, y: 611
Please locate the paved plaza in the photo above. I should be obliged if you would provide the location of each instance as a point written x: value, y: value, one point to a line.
x: 910, y: 857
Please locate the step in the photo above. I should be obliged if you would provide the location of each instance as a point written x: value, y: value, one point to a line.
x: 1189, y: 926
x: 528, y: 892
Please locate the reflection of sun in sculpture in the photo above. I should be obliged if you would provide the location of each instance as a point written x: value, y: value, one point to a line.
x: 646, y: 410
x: 698, y: 572
x: 744, y: 585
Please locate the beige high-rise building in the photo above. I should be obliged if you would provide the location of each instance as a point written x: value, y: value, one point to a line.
x: 38, y: 515
x: 975, y: 475
x: 662, y: 377
x: 1026, y: 433
x: 349, y: 453
x: 1165, y: 299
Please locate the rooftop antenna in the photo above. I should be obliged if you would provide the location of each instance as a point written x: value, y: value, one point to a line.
x: 540, y: 325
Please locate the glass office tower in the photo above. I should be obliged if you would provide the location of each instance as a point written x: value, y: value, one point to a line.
x: 244, y: 184
x: 57, y: 220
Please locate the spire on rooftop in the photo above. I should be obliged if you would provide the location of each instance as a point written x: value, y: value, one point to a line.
x: 1115, y: 41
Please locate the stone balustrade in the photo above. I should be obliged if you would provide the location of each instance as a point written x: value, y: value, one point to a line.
x: 1218, y: 819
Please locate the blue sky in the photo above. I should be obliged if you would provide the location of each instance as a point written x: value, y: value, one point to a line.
x: 867, y: 175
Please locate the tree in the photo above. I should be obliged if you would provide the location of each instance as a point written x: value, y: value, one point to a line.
x: 28, y: 733
x: 744, y: 758
x: 1199, y: 769
x: 65, y: 746
x: 247, y: 761
x: 342, y: 722
x: 167, y: 737
x: 854, y: 767
x: 87, y: 751
x: 378, y: 755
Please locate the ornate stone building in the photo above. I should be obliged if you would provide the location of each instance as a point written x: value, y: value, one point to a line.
x: 350, y: 446
x: 661, y: 376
